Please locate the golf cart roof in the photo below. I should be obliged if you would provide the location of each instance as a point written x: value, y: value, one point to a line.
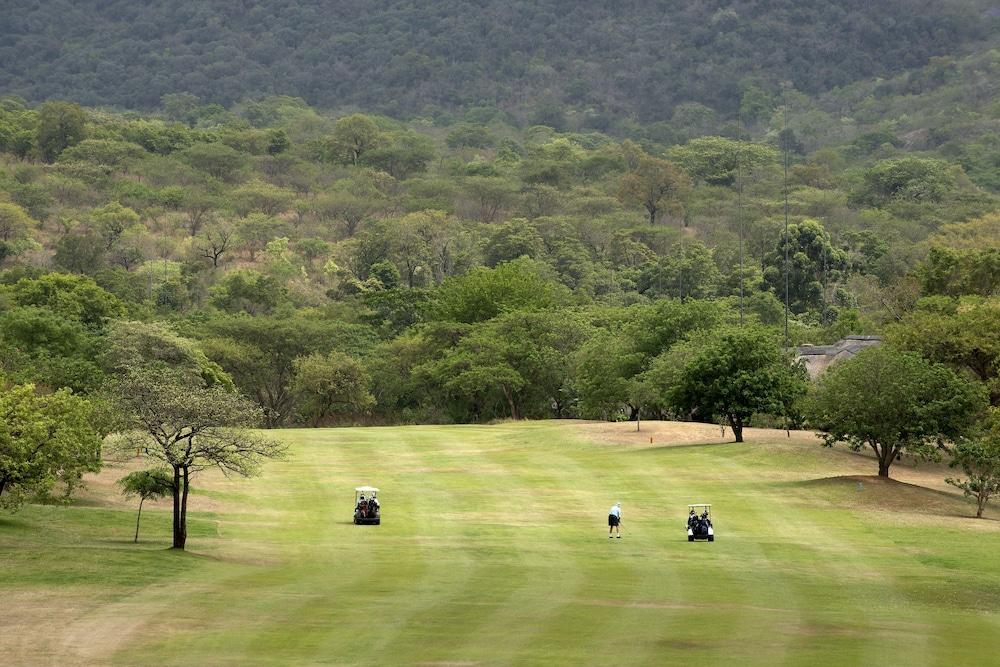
x: 363, y: 489
x: 700, y: 505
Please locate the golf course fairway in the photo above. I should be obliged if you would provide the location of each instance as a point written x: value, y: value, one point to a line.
x: 493, y: 550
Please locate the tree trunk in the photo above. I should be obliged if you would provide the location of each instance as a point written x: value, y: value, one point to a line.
x: 138, y: 518
x: 638, y: 421
x: 982, y: 505
x: 184, y: 508
x: 883, y: 466
x: 652, y: 215
x: 509, y: 395
x: 179, y: 537
x: 736, y: 423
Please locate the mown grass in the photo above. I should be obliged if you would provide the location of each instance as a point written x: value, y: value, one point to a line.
x: 493, y: 551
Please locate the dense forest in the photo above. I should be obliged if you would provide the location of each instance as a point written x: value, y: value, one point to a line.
x: 342, y: 267
x: 583, y: 64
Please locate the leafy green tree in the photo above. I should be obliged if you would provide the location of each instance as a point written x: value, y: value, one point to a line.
x: 152, y: 484
x: 484, y: 293
x: 249, y: 292
x: 330, y: 385
x: 893, y: 403
x: 60, y: 125
x: 489, y: 196
x: 255, y: 231
x: 967, y: 338
x: 958, y: 272
x: 736, y: 373
x: 716, y: 160
x: 217, y: 160
x: 44, y: 439
x: 352, y: 137
x: 188, y: 426
x: 113, y: 155
x: 263, y: 198
x: 607, y: 365
x: 688, y: 272
x: 979, y: 459
x: 655, y: 184
x: 913, y: 179
x: 468, y: 135
x: 15, y: 229
x: 49, y: 349
x: 75, y: 297
x: 515, y: 238
x: 813, y: 261
x: 112, y: 220
x: 405, y: 155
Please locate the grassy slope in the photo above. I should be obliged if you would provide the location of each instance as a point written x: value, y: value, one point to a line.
x: 493, y: 551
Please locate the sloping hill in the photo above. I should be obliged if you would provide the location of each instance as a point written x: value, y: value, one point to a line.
x: 409, y: 57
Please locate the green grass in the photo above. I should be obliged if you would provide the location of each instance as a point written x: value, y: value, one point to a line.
x: 493, y: 551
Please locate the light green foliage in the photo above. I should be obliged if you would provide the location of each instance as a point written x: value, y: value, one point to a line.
x: 908, y: 179
x: 735, y: 373
x: 716, y: 160
x: 189, y: 426
x: 15, y: 226
x: 964, y: 336
x: 957, y: 272
x: 248, y: 291
x: 152, y: 484
x: 893, y: 403
x: 75, y: 297
x: 331, y: 385
x: 483, y: 293
x: 352, y: 137
x: 112, y: 220
x: 44, y: 439
x: 979, y: 459
x: 215, y: 159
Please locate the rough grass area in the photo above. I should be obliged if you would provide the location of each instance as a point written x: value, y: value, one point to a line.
x: 493, y: 551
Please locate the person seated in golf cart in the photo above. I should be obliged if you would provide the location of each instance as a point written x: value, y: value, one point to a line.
x: 373, y: 503
x: 362, y: 506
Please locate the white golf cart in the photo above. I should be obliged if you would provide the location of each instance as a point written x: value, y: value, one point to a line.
x: 699, y: 522
x: 367, y: 508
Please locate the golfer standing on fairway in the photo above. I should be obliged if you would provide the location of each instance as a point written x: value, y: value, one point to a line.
x: 614, y: 520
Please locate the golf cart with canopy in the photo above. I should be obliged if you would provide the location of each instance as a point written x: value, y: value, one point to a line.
x: 367, y: 508
x: 699, y: 522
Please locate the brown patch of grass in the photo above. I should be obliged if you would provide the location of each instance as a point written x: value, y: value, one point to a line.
x: 669, y: 433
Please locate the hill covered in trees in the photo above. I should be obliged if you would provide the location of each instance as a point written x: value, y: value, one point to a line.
x: 539, y: 59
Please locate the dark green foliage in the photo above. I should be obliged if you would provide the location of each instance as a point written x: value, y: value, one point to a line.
x: 893, y: 403
x: 405, y: 59
x: 735, y: 373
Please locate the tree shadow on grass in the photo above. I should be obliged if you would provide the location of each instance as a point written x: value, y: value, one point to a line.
x: 881, y: 493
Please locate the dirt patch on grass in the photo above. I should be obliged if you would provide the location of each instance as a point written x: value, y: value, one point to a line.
x: 668, y: 433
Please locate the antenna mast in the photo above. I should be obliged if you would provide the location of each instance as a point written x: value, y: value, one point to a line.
x: 739, y: 194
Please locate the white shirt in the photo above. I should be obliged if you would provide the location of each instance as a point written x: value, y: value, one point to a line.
x: 616, y: 511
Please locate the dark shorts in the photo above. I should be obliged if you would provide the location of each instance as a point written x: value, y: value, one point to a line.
x: 613, y: 520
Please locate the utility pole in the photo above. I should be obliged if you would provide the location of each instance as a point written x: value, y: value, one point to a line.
x: 739, y: 196
x: 784, y: 123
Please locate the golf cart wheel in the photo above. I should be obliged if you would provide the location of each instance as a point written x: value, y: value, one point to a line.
x: 711, y: 538
x: 690, y: 538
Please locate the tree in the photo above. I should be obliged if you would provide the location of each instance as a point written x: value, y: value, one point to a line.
x: 913, y: 179
x: 331, y: 384
x: 484, y: 293
x: 112, y: 220
x: 217, y: 160
x: 965, y: 337
x: 214, y: 241
x: 736, y: 373
x: 813, y: 262
x: 44, y: 439
x: 255, y: 231
x: 150, y: 484
x: 718, y: 160
x: 60, y: 125
x: 893, y: 403
x: 657, y: 185
x: 188, y: 426
x: 979, y: 459
x: 352, y: 137
x: 15, y: 228
x: 75, y: 297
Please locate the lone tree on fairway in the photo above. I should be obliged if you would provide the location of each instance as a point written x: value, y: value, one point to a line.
x: 979, y: 458
x: 190, y: 427
x: 148, y: 485
x: 735, y: 373
x: 893, y: 403
x: 44, y: 439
